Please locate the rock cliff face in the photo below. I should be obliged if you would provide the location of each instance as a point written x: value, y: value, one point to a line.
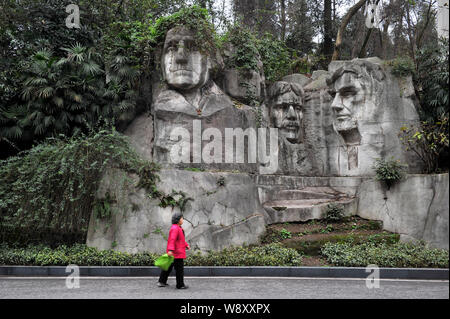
x: 328, y: 131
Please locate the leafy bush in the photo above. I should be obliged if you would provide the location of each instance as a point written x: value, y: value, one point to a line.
x: 334, y: 213
x: 313, y: 247
x: 275, y: 56
x: 78, y: 254
x: 389, y: 171
x: 430, y: 142
x: 193, y: 18
x: 244, y: 43
x: 402, y: 66
x: 52, y: 187
x: 432, y: 81
x: 385, y: 255
x: 269, y: 255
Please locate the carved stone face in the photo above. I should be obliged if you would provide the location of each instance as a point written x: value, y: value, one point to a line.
x: 348, y: 102
x: 287, y: 115
x: 240, y: 86
x: 184, y: 66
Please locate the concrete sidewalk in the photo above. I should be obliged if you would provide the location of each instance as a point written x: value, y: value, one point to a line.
x: 221, y: 288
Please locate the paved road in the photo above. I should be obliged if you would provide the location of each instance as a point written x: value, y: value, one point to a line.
x: 222, y: 288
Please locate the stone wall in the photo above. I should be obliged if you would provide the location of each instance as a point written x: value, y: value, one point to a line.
x: 417, y: 208
x: 216, y: 218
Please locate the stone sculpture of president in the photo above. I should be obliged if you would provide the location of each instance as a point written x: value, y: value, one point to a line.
x: 186, y: 70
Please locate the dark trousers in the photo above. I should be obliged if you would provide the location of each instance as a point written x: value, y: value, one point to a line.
x: 178, y: 264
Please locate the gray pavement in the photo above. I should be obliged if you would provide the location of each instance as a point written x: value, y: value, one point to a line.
x: 221, y: 288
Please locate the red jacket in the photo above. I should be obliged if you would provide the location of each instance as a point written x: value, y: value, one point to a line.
x: 177, y: 242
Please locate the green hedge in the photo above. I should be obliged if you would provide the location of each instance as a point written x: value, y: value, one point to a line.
x: 78, y: 254
x: 270, y: 255
x: 401, y: 255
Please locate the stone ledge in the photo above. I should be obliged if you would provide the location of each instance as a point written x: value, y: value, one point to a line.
x: 320, y: 272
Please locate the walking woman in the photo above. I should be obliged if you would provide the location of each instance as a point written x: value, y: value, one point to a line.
x: 176, y: 247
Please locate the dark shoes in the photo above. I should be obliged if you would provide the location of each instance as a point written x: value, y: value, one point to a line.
x: 160, y: 284
x: 183, y: 287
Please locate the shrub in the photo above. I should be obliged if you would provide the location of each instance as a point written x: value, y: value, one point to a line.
x: 432, y: 79
x: 244, y: 43
x: 51, y: 188
x: 269, y: 255
x: 385, y: 255
x: 39, y: 255
x: 78, y: 254
x: 313, y: 248
x: 430, y: 142
x: 334, y: 213
x: 389, y: 171
x: 275, y: 56
x: 402, y: 66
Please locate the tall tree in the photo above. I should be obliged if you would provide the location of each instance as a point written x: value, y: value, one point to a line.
x: 351, y: 12
x: 328, y: 29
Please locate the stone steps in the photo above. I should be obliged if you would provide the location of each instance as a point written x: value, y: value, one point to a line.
x: 287, y: 205
x: 294, y: 194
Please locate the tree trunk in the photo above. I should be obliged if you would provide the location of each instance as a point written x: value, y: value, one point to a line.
x: 363, y: 51
x: 328, y: 29
x: 351, y: 12
x: 283, y: 19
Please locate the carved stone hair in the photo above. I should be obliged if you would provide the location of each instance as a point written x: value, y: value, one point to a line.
x: 370, y: 72
x: 281, y: 87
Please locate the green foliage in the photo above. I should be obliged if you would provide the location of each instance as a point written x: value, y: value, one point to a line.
x: 307, y: 64
x: 78, y: 254
x: 60, y: 95
x: 389, y: 171
x: 175, y: 199
x: 402, y: 66
x: 313, y: 247
x: 385, y: 255
x: 244, y: 44
x: 275, y: 235
x: 52, y: 187
x: 269, y: 255
x: 275, y: 56
x: 102, y: 207
x: 334, y: 213
x: 432, y: 81
x: 430, y: 142
x: 285, y: 234
x: 193, y: 18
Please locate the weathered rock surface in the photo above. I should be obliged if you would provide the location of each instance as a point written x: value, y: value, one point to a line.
x: 417, y: 208
x: 382, y: 105
x: 332, y: 128
x: 218, y: 217
x: 298, y: 78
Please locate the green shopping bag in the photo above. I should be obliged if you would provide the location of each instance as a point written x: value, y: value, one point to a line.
x: 164, y: 262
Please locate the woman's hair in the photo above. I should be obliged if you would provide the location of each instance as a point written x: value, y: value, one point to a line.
x: 176, y: 217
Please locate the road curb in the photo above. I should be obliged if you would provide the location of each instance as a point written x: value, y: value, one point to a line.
x: 313, y: 272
